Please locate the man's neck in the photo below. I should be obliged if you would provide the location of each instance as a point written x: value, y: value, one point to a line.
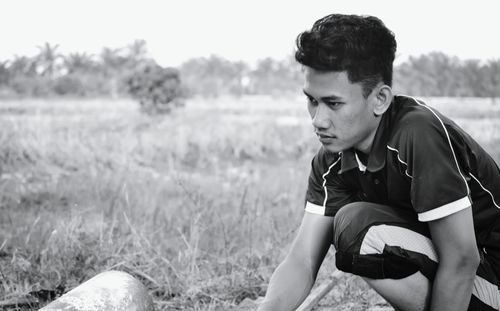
x: 366, y: 145
x: 363, y: 157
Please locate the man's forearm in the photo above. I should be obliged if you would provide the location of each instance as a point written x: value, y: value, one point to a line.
x: 452, y: 289
x: 290, y: 284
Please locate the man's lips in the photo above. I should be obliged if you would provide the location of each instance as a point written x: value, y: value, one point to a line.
x: 325, y: 138
x: 321, y: 135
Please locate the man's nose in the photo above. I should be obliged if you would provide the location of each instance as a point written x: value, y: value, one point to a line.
x: 320, y: 119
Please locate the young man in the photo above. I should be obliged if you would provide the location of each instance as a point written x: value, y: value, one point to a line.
x: 408, y: 199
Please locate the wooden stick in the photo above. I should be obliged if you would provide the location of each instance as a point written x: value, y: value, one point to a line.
x: 14, y: 302
x: 319, y: 292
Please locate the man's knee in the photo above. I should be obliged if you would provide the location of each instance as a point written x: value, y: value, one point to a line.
x: 353, y: 219
x: 350, y: 221
x: 378, y: 241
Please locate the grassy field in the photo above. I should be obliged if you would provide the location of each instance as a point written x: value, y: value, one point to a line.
x: 200, y: 205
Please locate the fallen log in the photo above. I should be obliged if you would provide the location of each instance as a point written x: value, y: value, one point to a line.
x: 107, y: 291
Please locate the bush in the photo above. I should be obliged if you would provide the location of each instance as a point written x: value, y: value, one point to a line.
x: 69, y: 85
x: 157, y: 89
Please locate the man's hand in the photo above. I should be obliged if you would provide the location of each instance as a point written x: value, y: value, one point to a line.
x: 293, y: 279
x: 455, y: 242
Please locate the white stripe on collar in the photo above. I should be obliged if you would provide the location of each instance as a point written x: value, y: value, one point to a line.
x: 361, y: 166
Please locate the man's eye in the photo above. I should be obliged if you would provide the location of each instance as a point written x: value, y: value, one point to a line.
x: 312, y: 101
x: 333, y: 104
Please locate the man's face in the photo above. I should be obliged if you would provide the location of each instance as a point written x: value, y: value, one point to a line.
x: 341, y: 116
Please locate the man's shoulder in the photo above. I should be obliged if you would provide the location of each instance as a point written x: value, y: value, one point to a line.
x: 412, y: 119
x: 412, y: 112
x: 415, y: 112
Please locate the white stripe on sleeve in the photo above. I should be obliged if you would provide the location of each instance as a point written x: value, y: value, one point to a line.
x: 445, y: 210
x: 314, y: 208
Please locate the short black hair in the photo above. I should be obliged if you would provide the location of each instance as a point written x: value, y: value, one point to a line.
x: 361, y: 45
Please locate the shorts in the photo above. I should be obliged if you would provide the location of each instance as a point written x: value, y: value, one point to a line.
x: 378, y: 241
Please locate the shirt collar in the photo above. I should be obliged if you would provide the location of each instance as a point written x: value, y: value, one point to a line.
x: 377, y: 157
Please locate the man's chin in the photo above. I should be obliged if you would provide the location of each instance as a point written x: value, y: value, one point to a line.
x: 334, y: 148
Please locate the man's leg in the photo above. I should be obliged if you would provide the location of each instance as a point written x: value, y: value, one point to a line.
x: 410, y: 293
x: 393, y: 252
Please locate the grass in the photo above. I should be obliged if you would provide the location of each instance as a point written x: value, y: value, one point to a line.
x: 200, y: 205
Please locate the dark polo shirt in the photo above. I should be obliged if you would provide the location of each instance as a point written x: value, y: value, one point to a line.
x: 420, y: 161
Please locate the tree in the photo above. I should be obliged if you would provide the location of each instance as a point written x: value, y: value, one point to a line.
x: 157, y: 89
x: 493, y: 78
x: 136, y: 53
x: 111, y: 60
x: 213, y: 76
x: 473, y: 78
x: 47, y: 58
x: 275, y: 76
x: 79, y: 62
x: 112, y: 64
x: 433, y: 74
x: 23, y: 66
x: 4, y: 73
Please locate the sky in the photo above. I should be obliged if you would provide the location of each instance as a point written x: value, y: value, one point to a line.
x: 176, y: 31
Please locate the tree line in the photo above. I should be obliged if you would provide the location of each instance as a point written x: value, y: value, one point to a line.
x: 437, y: 74
x: 50, y: 73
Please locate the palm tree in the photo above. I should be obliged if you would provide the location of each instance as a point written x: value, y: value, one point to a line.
x: 112, y: 66
x: 111, y: 60
x: 47, y: 58
x: 137, y: 51
x: 79, y: 62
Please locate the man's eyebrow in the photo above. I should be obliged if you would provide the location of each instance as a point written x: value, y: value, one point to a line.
x: 325, y: 98
x: 307, y: 94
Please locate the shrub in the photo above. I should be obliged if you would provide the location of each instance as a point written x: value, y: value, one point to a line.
x: 69, y: 85
x: 157, y: 89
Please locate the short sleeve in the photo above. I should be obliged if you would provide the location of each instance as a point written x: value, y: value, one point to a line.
x: 326, y: 192
x: 438, y: 184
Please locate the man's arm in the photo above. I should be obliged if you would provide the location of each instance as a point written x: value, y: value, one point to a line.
x: 455, y: 243
x: 292, y: 281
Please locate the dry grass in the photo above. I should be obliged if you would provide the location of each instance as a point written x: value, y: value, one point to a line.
x: 199, y: 205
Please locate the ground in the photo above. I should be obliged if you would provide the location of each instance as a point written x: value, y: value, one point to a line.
x: 200, y: 205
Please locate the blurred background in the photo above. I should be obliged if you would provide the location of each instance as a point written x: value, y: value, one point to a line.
x: 170, y: 139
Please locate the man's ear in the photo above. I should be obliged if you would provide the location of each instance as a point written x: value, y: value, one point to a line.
x: 383, y: 98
